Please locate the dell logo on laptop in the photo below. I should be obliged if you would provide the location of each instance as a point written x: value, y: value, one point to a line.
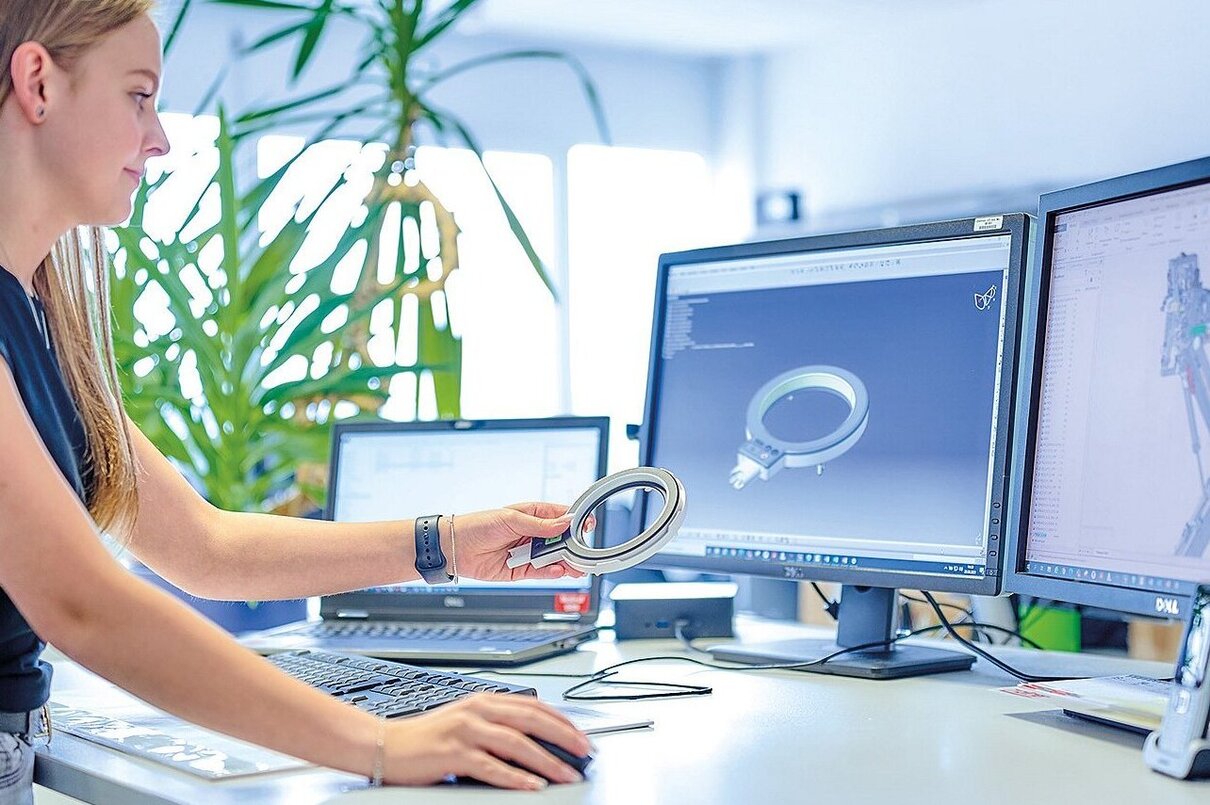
x: 1167, y: 606
x: 455, y: 601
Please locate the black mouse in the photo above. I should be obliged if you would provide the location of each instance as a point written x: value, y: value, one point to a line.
x: 577, y: 762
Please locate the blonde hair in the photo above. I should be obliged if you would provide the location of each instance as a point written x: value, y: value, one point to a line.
x: 73, y: 281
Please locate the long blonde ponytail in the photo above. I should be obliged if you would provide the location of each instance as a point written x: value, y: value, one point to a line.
x: 73, y: 280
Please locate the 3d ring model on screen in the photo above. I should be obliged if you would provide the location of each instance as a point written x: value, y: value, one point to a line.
x: 764, y: 454
x: 570, y: 546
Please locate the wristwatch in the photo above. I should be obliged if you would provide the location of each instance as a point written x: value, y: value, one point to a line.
x: 430, y: 561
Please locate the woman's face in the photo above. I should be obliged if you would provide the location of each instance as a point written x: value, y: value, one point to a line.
x: 102, y: 126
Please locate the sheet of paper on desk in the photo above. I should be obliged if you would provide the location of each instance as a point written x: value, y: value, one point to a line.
x: 1135, y: 700
x: 596, y: 722
x: 136, y: 728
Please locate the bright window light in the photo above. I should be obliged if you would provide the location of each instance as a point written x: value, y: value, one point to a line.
x: 626, y: 206
x: 497, y: 304
x: 191, y: 161
x: 505, y: 315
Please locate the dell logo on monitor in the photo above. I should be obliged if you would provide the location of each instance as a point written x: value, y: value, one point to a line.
x: 1167, y: 606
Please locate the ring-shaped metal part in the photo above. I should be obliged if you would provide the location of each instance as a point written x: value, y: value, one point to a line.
x: 831, y: 379
x: 587, y: 559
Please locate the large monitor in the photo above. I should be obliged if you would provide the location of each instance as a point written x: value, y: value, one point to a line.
x: 1114, y: 500
x: 838, y: 408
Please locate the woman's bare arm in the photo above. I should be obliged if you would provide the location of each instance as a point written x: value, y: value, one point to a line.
x: 245, y: 556
x: 74, y: 595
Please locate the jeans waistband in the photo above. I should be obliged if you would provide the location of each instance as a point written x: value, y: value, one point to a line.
x: 32, y: 724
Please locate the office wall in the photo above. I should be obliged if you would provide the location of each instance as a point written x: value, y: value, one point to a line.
x: 892, y: 112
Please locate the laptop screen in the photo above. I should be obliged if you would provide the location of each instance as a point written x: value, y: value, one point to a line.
x: 401, y: 472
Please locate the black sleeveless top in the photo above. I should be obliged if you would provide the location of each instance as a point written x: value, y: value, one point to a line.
x: 25, y: 345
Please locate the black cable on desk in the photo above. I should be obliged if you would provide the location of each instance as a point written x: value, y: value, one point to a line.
x: 970, y: 621
x: 832, y: 607
x: 606, y: 674
x: 1003, y: 666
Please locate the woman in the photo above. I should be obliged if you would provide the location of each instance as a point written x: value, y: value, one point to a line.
x: 77, y: 125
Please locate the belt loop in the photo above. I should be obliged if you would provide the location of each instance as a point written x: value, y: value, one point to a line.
x: 48, y: 731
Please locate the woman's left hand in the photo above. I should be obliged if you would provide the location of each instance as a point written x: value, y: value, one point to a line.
x: 485, y: 538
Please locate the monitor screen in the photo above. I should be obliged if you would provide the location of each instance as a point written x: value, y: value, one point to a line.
x: 834, y: 411
x: 401, y: 472
x: 1117, y: 486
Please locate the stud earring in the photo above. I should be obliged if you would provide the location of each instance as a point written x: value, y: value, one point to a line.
x: 41, y: 112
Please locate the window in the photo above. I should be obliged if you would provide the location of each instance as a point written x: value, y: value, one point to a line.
x: 497, y: 304
x: 626, y: 206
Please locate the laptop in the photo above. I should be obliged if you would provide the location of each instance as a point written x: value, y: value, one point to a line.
x: 391, y: 470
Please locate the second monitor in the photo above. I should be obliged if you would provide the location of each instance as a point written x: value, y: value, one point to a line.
x: 839, y: 408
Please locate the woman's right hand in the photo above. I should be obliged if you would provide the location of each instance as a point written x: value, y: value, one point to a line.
x: 475, y: 737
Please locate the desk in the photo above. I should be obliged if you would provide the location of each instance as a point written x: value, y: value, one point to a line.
x: 766, y: 737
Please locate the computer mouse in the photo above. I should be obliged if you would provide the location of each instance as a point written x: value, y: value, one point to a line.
x: 577, y: 762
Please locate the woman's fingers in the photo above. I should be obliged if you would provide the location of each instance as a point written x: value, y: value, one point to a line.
x: 559, y: 570
x: 548, y: 511
x: 487, y: 768
x: 510, y: 744
x: 533, y: 526
x: 532, y: 717
x: 564, y: 569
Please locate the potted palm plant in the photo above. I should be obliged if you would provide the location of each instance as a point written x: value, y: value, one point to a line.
x: 246, y: 440
x: 388, y: 96
x: 203, y: 390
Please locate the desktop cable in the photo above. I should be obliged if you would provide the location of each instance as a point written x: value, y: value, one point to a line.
x: 1003, y: 666
x: 606, y: 675
x: 832, y: 607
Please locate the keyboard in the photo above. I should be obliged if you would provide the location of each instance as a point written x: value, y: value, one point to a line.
x: 382, y: 688
x: 411, y: 631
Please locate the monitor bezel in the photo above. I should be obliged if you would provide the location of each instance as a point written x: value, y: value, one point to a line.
x: 1102, y: 595
x: 1017, y: 226
x: 526, y: 604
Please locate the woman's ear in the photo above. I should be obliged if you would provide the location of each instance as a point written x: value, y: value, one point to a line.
x: 32, y: 71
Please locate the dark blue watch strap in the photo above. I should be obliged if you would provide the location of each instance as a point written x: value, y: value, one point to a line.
x: 430, y: 561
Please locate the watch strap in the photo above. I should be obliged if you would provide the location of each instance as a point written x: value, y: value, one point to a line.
x: 430, y: 561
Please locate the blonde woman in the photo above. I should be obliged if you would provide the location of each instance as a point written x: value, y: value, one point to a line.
x: 77, y: 124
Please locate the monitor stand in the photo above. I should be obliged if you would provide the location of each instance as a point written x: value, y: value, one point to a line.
x: 867, y: 615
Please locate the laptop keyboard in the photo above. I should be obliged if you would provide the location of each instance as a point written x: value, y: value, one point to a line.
x: 382, y: 688
x: 409, y: 631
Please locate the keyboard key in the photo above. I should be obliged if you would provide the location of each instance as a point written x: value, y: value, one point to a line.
x: 392, y: 690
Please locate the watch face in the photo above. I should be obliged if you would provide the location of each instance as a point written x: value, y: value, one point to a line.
x: 1195, y: 653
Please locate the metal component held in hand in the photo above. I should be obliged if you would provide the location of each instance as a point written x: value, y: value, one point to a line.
x: 764, y: 454
x: 570, y: 546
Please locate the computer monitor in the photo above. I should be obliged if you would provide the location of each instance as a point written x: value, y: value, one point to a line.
x: 1113, y: 493
x: 838, y: 408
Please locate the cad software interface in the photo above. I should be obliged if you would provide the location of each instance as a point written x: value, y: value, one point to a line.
x: 836, y: 407
x: 1119, y: 490
x: 392, y: 476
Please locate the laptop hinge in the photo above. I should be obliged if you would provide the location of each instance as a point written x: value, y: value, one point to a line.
x: 561, y: 616
x: 352, y: 614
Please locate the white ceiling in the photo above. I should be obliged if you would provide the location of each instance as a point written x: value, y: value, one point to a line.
x: 690, y: 26
x: 702, y: 27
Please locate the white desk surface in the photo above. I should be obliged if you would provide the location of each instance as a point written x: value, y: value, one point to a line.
x: 763, y: 737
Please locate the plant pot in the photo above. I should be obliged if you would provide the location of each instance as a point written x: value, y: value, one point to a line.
x: 236, y: 617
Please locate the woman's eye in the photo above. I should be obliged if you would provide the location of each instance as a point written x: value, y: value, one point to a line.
x: 141, y: 97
